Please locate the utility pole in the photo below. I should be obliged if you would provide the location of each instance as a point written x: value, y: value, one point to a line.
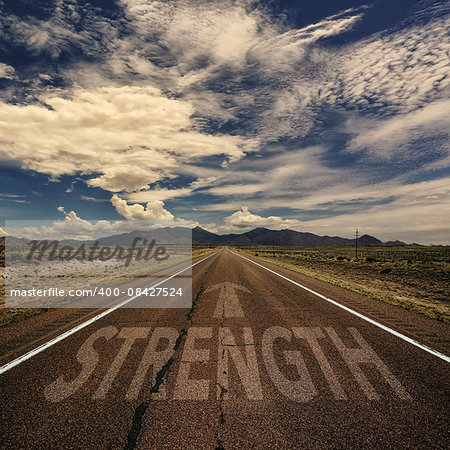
x: 356, y: 243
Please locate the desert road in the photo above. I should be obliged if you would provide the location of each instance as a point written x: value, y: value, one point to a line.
x: 257, y: 362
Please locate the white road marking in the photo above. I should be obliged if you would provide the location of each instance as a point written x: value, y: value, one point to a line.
x: 361, y: 316
x: 74, y: 330
x: 228, y: 303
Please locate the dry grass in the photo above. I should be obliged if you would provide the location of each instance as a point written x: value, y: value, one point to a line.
x: 202, y: 250
x: 414, y: 278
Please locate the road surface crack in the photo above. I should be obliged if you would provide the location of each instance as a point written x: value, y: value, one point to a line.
x: 139, y: 412
x: 222, y: 390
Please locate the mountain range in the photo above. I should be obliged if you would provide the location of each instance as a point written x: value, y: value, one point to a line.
x: 258, y: 236
x: 264, y: 236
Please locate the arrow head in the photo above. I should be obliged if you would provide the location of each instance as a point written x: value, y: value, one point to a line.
x: 227, y: 284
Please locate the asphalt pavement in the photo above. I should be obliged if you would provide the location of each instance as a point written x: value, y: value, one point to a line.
x: 258, y: 361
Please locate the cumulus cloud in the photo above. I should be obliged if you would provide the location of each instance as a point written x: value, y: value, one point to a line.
x: 153, y: 211
x: 109, y: 133
x: 211, y: 227
x: 245, y: 219
x: 75, y: 227
x: 72, y: 215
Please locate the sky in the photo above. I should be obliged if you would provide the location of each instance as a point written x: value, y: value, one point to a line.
x: 318, y: 116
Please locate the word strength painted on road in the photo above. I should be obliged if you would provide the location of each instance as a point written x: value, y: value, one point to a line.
x: 53, y: 268
x: 223, y: 363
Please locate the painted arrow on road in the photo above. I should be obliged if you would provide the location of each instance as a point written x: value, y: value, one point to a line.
x: 228, y: 303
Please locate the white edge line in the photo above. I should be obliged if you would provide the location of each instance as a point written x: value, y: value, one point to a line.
x: 361, y: 316
x: 68, y: 333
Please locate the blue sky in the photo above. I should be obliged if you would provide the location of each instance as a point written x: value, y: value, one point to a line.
x: 318, y: 116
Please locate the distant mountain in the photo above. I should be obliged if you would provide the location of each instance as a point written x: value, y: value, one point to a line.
x: 11, y: 240
x: 397, y: 242
x: 258, y: 236
x: 167, y: 235
x: 367, y: 241
x: 264, y: 236
x: 163, y: 236
x: 203, y: 237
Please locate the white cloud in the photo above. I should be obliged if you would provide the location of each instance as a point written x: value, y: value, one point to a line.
x: 131, y: 136
x: 421, y: 219
x: 72, y: 215
x: 203, y: 182
x: 341, y: 195
x: 283, y: 51
x: 200, y: 54
x: 199, y: 41
x: 11, y: 196
x: 418, y: 212
x: 245, y: 219
x: 93, y: 199
x: 224, y: 34
x: 7, y: 71
x: 75, y: 227
x: 389, y: 137
x: 398, y: 71
x: 282, y: 173
x: 157, y: 194
x: 211, y: 227
x: 221, y: 31
x: 153, y: 211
